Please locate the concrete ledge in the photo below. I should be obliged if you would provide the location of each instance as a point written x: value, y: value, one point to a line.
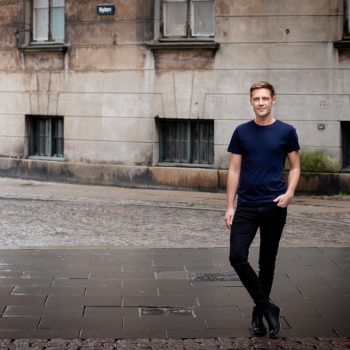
x: 202, y: 179
x: 153, y: 177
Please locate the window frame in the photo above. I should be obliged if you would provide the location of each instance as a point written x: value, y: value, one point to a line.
x: 344, y: 42
x: 190, y: 142
x: 27, y: 44
x: 188, y: 25
x: 50, y: 38
x: 49, y: 140
x: 346, y: 23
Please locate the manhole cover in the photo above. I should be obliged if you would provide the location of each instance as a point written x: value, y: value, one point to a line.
x: 215, y: 276
x: 166, y: 311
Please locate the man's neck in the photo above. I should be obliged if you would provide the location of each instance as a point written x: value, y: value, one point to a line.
x: 264, y: 121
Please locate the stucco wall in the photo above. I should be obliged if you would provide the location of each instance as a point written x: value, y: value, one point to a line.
x: 109, y: 87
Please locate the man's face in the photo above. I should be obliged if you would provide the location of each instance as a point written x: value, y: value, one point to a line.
x: 262, y: 102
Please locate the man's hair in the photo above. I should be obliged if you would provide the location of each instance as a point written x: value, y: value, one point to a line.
x: 262, y: 85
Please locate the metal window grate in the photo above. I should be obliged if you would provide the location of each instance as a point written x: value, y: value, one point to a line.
x: 46, y: 136
x: 187, y: 141
x: 345, y: 131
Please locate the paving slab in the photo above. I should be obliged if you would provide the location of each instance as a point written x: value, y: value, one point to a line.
x: 204, y: 304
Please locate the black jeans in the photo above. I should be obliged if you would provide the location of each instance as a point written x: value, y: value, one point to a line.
x: 270, y: 219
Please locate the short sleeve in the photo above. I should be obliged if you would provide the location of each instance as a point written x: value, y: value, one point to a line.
x: 293, y: 143
x: 235, y: 145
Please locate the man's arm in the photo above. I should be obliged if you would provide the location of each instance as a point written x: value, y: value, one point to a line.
x: 293, y: 179
x: 232, y: 186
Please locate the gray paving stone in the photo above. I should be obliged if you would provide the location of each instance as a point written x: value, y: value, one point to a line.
x: 172, y: 300
x: 209, y: 333
x: 223, y: 317
x: 32, y: 311
x: 91, y: 282
x: 25, y: 290
x: 23, y: 299
x: 105, y: 321
x: 139, y: 290
x: 18, y: 334
x: 25, y: 282
x: 5, y: 290
x: 19, y: 323
x: 57, y: 300
x: 103, y: 291
x: 175, y: 275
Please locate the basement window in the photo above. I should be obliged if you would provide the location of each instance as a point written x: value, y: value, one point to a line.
x: 344, y: 43
x: 46, y: 138
x: 188, y: 142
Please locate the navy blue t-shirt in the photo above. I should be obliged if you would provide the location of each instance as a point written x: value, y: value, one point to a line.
x: 264, y: 150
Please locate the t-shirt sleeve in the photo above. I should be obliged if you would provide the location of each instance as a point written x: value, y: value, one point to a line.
x: 293, y: 143
x: 235, y: 145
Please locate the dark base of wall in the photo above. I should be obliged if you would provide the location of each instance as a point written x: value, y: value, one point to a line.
x: 153, y: 177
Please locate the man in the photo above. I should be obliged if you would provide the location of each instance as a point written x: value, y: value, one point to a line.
x: 259, y: 149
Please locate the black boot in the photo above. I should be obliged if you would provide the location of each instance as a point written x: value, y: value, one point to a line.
x: 272, y: 315
x: 258, y: 327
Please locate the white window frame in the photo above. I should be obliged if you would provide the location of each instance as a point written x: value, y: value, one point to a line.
x: 48, y: 36
x: 190, y: 20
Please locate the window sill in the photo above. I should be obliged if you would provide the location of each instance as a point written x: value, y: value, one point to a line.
x: 185, y: 165
x: 343, y: 44
x: 55, y: 159
x: 183, y: 44
x: 45, y: 47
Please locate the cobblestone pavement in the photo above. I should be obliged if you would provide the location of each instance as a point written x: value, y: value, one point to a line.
x: 180, y: 344
x: 36, y: 214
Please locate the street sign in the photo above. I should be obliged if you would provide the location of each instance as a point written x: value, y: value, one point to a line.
x: 105, y: 10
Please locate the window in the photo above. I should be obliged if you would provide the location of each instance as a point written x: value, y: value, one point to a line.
x: 346, y: 31
x: 188, y: 18
x: 48, y: 20
x: 344, y: 43
x: 186, y: 141
x: 345, y: 131
x: 45, y: 136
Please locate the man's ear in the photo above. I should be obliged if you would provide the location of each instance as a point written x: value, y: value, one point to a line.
x: 274, y: 99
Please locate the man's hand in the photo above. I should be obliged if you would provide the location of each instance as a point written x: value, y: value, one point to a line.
x: 229, y: 217
x: 283, y: 200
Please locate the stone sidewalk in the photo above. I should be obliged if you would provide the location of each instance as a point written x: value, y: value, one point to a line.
x: 168, y: 295
x: 86, y: 267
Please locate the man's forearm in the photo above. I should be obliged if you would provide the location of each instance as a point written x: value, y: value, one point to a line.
x: 293, y: 179
x: 232, y: 185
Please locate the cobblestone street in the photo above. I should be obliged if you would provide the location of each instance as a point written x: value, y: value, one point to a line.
x: 35, y: 214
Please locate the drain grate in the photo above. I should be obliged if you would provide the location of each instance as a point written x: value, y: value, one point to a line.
x: 215, y: 276
x: 166, y: 311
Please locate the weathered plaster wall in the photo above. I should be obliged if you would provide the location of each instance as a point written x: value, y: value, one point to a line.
x: 109, y: 87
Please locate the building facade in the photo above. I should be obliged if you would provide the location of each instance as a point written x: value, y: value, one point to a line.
x: 149, y: 91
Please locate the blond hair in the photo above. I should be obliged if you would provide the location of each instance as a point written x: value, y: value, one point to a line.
x: 262, y: 85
